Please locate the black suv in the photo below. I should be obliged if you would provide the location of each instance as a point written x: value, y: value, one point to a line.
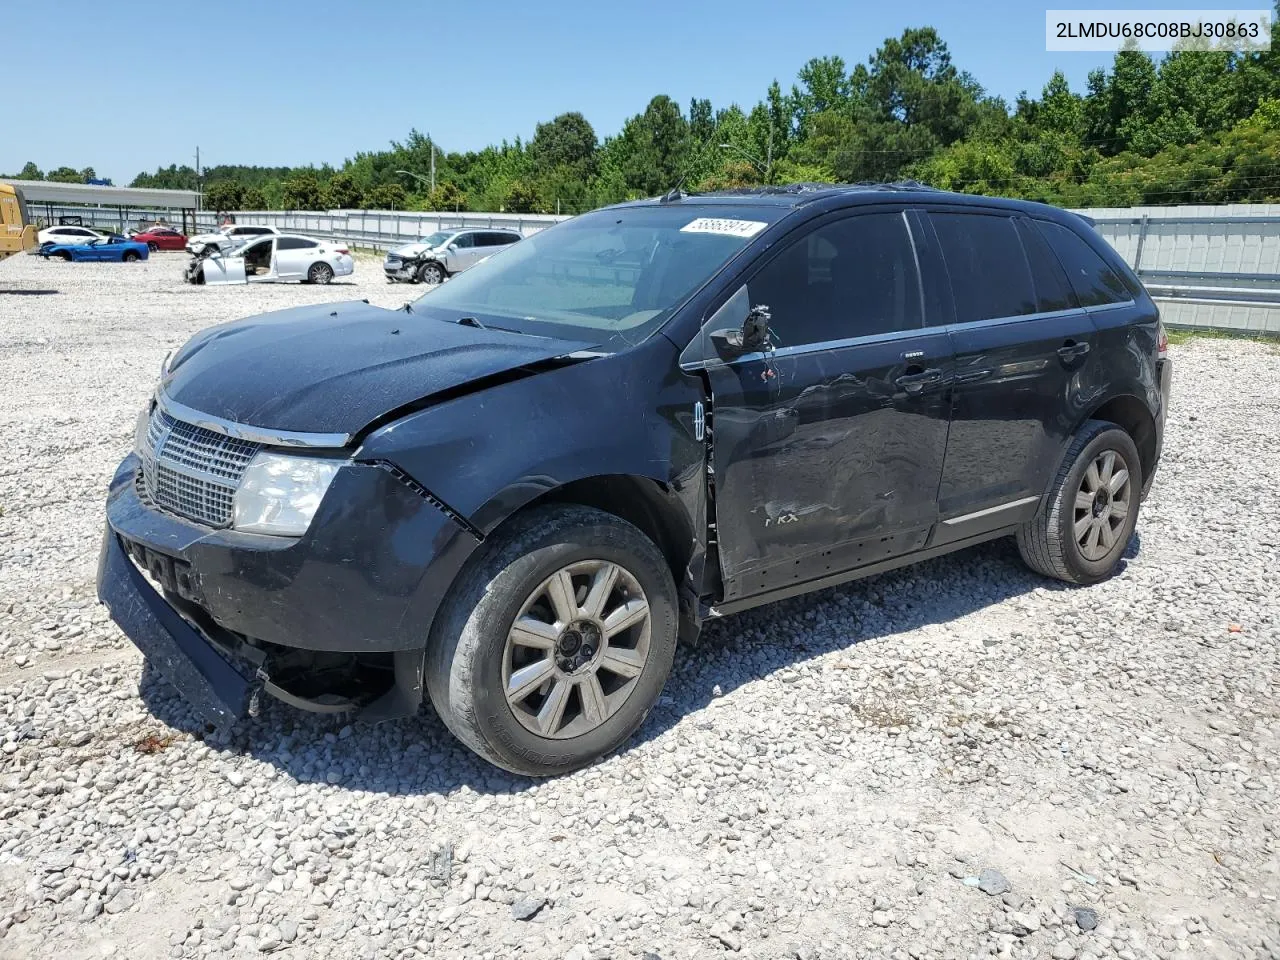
x: 516, y: 493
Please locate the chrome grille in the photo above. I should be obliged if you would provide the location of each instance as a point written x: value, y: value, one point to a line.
x: 192, y: 471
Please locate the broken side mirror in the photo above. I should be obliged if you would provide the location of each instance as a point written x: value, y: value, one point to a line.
x: 739, y: 328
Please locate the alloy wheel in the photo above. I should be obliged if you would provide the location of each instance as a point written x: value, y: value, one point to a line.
x: 576, y: 649
x: 1102, y: 505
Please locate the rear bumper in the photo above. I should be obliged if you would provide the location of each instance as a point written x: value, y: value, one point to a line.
x: 1164, y: 371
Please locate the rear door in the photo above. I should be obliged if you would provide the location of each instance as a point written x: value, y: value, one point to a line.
x: 1023, y: 353
x: 293, y: 256
x: 827, y: 449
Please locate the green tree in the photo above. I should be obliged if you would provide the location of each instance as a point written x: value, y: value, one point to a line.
x: 386, y: 196
x: 302, y: 191
x: 521, y: 197
x: 567, y: 141
x: 342, y: 193
x: 65, y: 175
x: 224, y: 195
x: 655, y: 147
x: 824, y: 85
x: 253, y: 199
x: 446, y: 196
x: 30, y: 172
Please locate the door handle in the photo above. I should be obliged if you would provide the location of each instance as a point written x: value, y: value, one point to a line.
x: 917, y: 380
x: 1071, y: 350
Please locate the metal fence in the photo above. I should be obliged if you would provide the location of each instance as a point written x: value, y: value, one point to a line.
x: 372, y: 229
x: 1207, y: 267
x: 1217, y: 270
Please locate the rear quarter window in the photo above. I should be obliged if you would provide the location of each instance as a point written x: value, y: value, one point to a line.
x: 1093, y: 281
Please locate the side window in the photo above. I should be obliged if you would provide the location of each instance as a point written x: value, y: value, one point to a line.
x: 464, y: 241
x: 506, y: 239
x: 1094, y: 282
x: 1053, y: 292
x: 850, y: 278
x: 294, y: 243
x: 990, y: 276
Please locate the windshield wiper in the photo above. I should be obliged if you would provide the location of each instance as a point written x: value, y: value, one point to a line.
x: 471, y: 322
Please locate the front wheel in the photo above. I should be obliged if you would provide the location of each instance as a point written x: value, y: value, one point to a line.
x: 556, y: 642
x: 152, y: 246
x: 1091, y: 511
x: 129, y: 256
x: 320, y: 273
x: 431, y: 274
x: 65, y: 255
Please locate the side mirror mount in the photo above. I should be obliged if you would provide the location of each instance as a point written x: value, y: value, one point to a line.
x: 739, y: 328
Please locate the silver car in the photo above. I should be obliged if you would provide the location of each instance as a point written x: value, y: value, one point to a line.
x: 439, y: 256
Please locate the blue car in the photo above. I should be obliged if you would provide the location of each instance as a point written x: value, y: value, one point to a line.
x: 114, y: 247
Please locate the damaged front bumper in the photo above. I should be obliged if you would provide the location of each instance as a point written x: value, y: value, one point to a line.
x: 219, y: 686
x: 334, y: 621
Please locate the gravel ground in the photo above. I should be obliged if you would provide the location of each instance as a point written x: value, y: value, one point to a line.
x: 954, y: 760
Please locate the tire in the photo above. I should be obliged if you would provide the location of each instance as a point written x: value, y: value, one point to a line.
x: 1049, y: 543
x: 152, y: 246
x: 320, y: 273
x: 470, y: 655
x: 129, y: 256
x: 431, y: 273
x: 65, y: 255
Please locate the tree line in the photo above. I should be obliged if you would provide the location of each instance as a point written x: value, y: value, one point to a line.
x: 1196, y: 126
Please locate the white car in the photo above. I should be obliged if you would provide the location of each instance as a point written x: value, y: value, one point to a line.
x: 435, y: 258
x: 278, y: 258
x: 67, y: 234
x: 228, y: 237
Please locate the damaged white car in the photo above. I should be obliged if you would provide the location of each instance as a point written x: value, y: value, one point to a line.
x: 274, y: 259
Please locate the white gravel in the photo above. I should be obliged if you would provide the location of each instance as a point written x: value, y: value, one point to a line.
x: 842, y: 775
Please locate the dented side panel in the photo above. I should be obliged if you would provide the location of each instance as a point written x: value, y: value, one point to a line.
x: 822, y: 461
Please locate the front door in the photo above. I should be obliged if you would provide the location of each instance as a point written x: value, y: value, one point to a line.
x: 1023, y: 360
x: 828, y: 448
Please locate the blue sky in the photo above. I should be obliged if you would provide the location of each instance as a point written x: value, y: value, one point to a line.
x: 141, y: 83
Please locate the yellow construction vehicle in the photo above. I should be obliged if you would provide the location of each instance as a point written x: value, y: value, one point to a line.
x: 17, y: 233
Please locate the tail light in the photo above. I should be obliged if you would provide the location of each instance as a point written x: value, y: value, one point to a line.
x: 1162, y: 342
x: 342, y: 250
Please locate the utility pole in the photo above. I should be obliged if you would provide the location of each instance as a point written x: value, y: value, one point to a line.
x: 433, y: 165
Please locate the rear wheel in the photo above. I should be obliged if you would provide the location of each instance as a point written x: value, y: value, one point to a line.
x: 557, y: 641
x: 1091, y: 510
x: 66, y: 255
x: 431, y: 274
x: 129, y: 256
x: 152, y: 246
x: 320, y: 273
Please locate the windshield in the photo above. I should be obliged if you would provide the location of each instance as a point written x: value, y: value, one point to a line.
x: 609, y: 276
x: 435, y: 239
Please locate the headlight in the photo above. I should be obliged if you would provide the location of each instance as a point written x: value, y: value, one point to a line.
x: 279, y: 494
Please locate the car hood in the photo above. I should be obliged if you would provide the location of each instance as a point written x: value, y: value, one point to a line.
x: 411, y: 249
x: 335, y: 368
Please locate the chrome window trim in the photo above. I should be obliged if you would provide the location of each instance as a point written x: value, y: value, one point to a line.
x: 242, y: 431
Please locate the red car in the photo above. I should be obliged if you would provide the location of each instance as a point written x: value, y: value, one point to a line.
x: 162, y: 238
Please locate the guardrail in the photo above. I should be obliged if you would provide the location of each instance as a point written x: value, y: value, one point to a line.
x: 1220, y: 271
x: 1217, y: 272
